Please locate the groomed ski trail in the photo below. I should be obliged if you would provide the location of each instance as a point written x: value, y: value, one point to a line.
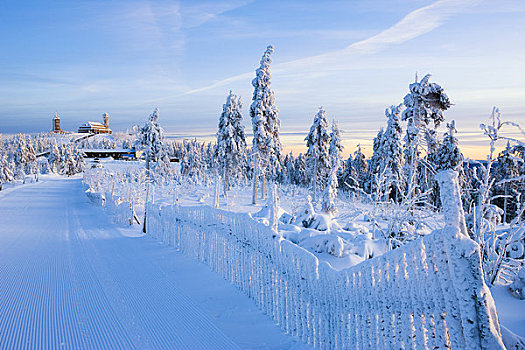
x: 70, y: 280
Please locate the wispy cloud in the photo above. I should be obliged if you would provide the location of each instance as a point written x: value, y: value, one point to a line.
x: 413, y: 25
x: 197, y: 15
x: 416, y: 23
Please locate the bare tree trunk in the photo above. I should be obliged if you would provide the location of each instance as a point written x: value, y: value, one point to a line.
x: 255, y: 178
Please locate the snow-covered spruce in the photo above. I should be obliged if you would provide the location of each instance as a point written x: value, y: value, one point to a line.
x: 336, y: 148
x: 151, y: 139
x: 266, y: 148
x: 359, y: 170
x: 318, y: 159
x: 6, y: 171
x: 425, y: 104
x: 230, y: 151
x: 449, y: 155
x: 391, y: 153
x: 330, y: 193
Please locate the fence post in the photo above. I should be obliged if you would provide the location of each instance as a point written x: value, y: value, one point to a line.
x: 451, y: 200
x: 479, y: 318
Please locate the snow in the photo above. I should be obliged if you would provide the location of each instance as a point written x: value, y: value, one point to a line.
x: 511, y: 310
x: 377, y: 303
x: 72, y: 279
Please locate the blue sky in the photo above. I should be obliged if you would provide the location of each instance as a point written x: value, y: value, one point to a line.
x: 83, y: 58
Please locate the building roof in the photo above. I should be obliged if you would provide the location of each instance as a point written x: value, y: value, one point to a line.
x: 93, y: 124
x: 111, y: 150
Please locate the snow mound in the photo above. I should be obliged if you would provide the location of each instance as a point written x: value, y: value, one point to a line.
x: 331, y: 244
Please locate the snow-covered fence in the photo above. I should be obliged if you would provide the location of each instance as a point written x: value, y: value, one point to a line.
x: 119, y: 211
x: 429, y: 293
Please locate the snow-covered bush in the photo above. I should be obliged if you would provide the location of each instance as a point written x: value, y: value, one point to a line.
x: 484, y: 217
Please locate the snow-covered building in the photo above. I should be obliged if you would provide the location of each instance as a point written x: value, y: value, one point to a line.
x: 96, y: 127
x: 56, y: 125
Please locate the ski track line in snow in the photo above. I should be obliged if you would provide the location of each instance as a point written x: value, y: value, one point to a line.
x: 70, y: 280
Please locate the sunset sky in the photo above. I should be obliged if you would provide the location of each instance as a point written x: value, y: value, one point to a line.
x: 355, y: 58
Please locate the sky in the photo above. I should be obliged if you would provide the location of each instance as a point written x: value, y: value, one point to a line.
x: 355, y: 58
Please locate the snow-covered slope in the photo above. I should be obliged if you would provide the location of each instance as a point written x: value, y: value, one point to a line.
x: 70, y: 279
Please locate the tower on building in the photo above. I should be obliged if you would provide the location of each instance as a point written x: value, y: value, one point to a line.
x: 106, y: 120
x: 56, y: 124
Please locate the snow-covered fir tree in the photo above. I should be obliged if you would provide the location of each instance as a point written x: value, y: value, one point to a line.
x: 392, y: 154
x: 300, y: 176
x: 230, y: 151
x: 425, y: 104
x: 69, y: 167
x: 151, y: 138
x: 509, y: 188
x: 375, y: 161
x: 359, y: 168
x: 441, y: 156
x: 266, y: 146
x: 336, y: 148
x: 289, y: 163
x: 31, y: 162
x: 449, y: 156
x: 6, y: 171
x: 53, y: 157
x: 209, y: 156
x: 80, y: 163
x: 193, y: 165
x: 318, y: 158
x: 163, y: 167
x: 330, y: 193
x: 347, y: 182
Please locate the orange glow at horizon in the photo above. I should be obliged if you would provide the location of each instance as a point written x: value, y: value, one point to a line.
x: 472, y: 143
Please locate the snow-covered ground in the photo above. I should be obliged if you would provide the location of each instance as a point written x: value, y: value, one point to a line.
x: 511, y: 311
x: 71, y: 279
x: 353, y: 215
x: 355, y: 233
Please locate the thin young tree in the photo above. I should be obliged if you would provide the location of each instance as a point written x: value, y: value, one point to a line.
x: 151, y: 138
